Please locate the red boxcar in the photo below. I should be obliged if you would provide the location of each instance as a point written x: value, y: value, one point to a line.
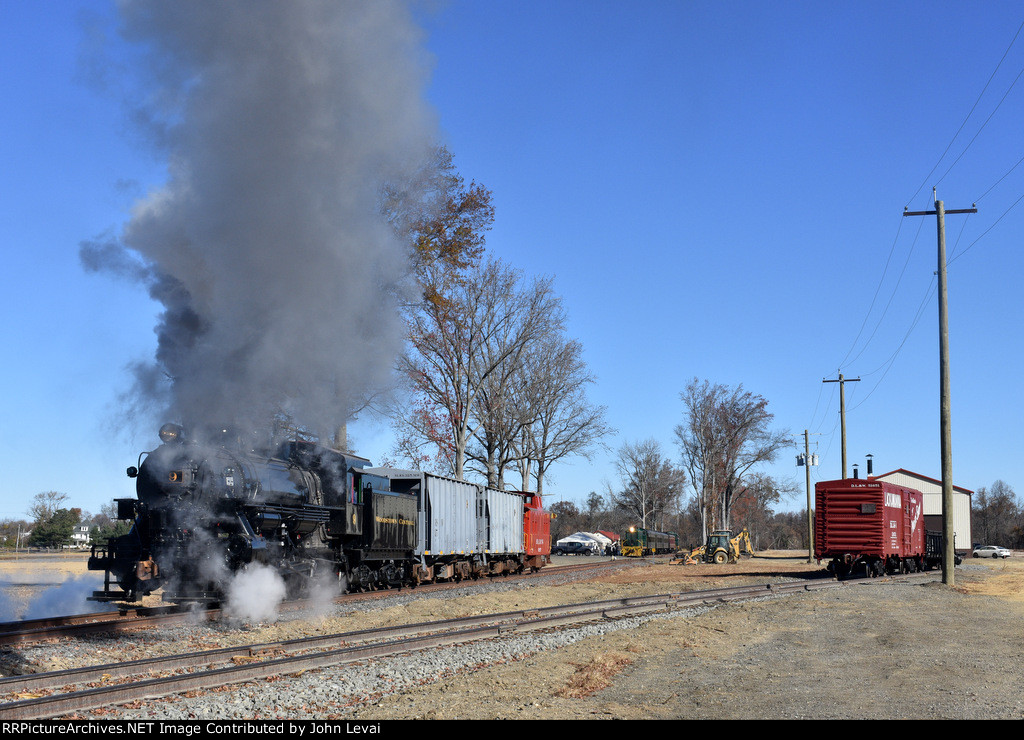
x: 869, y: 524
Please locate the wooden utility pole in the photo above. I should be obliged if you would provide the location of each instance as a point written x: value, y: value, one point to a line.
x: 808, y: 461
x: 945, y: 435
x: 842, y: 410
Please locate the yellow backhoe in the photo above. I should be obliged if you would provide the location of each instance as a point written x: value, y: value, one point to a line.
x: 721, y: 547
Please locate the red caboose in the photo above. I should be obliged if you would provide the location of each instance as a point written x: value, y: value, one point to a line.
x: 869, y: 524
x: 536, y: 532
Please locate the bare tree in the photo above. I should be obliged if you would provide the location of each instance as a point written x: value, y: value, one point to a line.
x: 556, y: 419
x: 471, y: 342
x: 489, y: 391
x: 753, y: 503
x: 726, y: 433
x: 45, y: 505
x: 500, y: 421
x: 422, y: 440
x: 995, y: 516
x: 651, y: 485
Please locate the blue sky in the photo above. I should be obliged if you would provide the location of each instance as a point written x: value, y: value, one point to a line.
x: 716, y: 188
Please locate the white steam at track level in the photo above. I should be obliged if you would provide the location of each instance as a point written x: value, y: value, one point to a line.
x: 254, y: 594
x: 279, y: 122
x: 51, y: 594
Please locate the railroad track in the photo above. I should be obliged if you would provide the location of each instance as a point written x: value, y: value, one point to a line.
x: 76, y: 625
x: 129, y: 619
x: 64, y: 693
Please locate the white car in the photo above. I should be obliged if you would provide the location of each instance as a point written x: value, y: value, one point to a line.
x: 991, y: 551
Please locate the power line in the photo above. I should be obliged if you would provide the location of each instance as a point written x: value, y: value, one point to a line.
x: 969, y: 114
x: 968, y: 247
x: 881, y: 281
x: 888, y: 364
x: 949, y: 146
x: 978, y: 133
x: 892, y: 296
x: 992, y: 187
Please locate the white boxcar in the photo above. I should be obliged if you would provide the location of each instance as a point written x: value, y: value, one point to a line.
x: 448, y: 516
x: 500, y: 522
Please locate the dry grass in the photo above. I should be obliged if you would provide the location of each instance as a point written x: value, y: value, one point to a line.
x: 775, y: 563
x: 26, y: 566
x: 595, y: 675
x: 1006, y: 579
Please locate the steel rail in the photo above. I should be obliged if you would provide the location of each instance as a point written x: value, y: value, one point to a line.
x: 74, y: 628
x: 21, y: 625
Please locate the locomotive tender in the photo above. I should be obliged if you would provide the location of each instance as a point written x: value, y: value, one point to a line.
x: 205, y: 512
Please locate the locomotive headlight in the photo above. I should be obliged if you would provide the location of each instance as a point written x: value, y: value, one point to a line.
x: 170, y: 433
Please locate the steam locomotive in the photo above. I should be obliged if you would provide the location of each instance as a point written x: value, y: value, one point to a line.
x: 205, y: 512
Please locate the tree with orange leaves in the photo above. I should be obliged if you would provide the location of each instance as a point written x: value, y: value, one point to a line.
x: 443, y: 221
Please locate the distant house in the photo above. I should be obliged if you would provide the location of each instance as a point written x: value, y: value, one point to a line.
x: 932, y: 490
x: 80, y: 536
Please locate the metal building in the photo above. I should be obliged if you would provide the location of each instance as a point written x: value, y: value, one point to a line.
x: 932, y: 490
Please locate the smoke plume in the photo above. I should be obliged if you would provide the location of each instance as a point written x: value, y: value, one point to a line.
x: 277, y: 277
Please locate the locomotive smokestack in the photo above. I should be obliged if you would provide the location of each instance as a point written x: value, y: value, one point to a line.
x: 870, y: 469
x: 341, y: 438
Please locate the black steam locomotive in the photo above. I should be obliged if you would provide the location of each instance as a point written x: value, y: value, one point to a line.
x: 205, y: 511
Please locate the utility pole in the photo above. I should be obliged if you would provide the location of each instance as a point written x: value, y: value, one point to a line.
x: 945, y: 435
x: 842, y: 410
x: 808, y: 461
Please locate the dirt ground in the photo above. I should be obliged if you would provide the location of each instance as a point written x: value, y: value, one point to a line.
x: 873, y: 649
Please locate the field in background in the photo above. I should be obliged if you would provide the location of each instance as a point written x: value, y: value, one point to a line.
x: 46, y: 584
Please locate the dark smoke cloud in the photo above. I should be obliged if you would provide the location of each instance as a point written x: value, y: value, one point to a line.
x: 279, y: 120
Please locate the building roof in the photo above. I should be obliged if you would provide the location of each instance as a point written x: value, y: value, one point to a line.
x: 912, y: 474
